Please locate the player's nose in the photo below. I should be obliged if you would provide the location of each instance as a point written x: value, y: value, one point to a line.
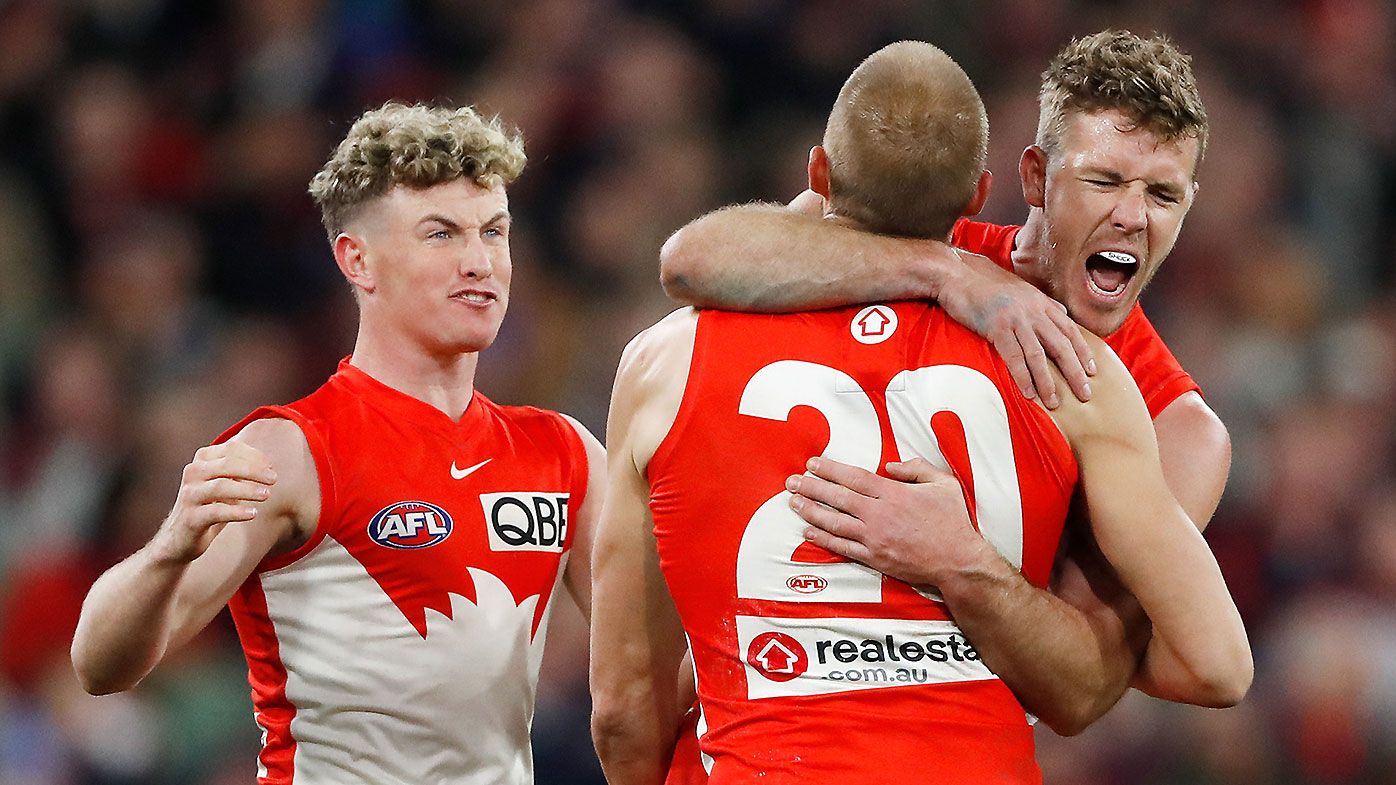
x: 1130, y: 211
x: 475, y: 260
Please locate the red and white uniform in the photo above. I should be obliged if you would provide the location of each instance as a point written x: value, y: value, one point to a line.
x: 811, y: 668
x: 1158, y: 373
x: 400, y: 645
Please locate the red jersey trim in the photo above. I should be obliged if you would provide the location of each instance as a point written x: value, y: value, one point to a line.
x: 323, y: 470
x: 1169, y: 390
x: 267, y: 675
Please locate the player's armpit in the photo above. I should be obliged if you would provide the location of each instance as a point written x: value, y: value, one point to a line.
x: 1150, y: 541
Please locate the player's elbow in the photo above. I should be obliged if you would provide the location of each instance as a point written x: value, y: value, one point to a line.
x: 680, y: 267
x: 1226, y: 682
x: 1071, y: 721
x: 1228, y: 686
x: 101, y: 667
x: 1078, y: 712
x: 613, y: 729
x: 93, y: 677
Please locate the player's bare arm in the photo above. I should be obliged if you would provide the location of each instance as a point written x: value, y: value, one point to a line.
x: 578, y: 574
x: 1149, y: 540
x: 1062, y: 663
x: 1068, y: 657
x: 769, y: 258
x: 637, y: 640
x: 238, y: 502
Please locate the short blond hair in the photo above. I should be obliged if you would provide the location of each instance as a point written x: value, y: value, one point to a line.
x: 1149, y: 80
x: 417, y: 146
x: 907, y: 140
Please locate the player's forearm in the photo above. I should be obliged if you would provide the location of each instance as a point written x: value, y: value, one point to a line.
x: 1199, y: 646
x: 125, y: 624
x: 1065, y: 666
x: 767, y: 258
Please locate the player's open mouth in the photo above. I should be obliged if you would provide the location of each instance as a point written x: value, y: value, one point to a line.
x: 1109, y: 272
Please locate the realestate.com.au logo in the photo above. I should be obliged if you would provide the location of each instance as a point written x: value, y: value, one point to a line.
x: 819, y: 656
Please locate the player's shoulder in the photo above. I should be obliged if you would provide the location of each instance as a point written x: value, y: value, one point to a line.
x: 1115, y: 398
x: 272, y: 433
x: 659, y: 350
x: 678, y: 326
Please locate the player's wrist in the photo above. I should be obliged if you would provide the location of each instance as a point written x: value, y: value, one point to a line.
x: 934, y: 268
x: 165, y: 551
x: 977, y: 571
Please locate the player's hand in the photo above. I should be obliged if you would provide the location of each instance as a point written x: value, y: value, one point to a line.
x: 1028, y: 328
x: 223, y: 484
x: 914, y: 527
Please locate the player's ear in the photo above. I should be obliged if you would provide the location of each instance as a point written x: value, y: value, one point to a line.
x: 351, y: 256
x: 981, y: 194
x: 1032, y: 170
x: 819, y: 171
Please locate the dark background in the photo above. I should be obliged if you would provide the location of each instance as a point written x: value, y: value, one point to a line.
x: 162, y: 272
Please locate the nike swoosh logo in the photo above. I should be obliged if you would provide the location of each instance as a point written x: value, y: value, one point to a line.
x: 461, y: 474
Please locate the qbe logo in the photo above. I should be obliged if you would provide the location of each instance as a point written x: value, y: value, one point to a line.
x: 777, y: 656
x: 409, y: 525
x: 526, y: 520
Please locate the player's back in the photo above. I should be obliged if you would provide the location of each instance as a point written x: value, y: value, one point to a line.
x: 814, y: 669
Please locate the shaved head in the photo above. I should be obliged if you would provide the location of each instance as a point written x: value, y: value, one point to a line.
x: 907, y: 141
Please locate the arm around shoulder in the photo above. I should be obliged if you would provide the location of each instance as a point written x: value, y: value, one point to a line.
x: 238, y: 501
x: 767, y: 258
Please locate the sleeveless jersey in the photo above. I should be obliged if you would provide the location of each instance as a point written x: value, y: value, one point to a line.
x: 400, y: 645
x: 1160, y: 377
x: 812, y: 669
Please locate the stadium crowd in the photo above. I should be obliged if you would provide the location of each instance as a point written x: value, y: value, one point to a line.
x: 162, y: 272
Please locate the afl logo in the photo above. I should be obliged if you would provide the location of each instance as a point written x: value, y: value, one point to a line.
x: 409, y: 525
x: 806, y: 584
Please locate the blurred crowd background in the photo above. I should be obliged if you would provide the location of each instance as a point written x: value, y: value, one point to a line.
x: 162, y: 272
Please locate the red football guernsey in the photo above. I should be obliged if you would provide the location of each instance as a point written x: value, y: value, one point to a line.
x: 401, y: 643
x: 1160, y: 377
x: 813, y: 669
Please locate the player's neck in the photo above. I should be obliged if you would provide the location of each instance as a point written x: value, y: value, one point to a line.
x: 444, y: 382
x: 1030, y: 250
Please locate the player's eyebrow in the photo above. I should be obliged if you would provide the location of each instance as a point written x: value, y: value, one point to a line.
x: 441, y: 219
x: 500, y: 217
x: 1102, y: 173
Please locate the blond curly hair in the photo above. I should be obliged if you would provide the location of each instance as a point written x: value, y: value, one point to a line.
x: 417, y: 146
x: 1147, y: 79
